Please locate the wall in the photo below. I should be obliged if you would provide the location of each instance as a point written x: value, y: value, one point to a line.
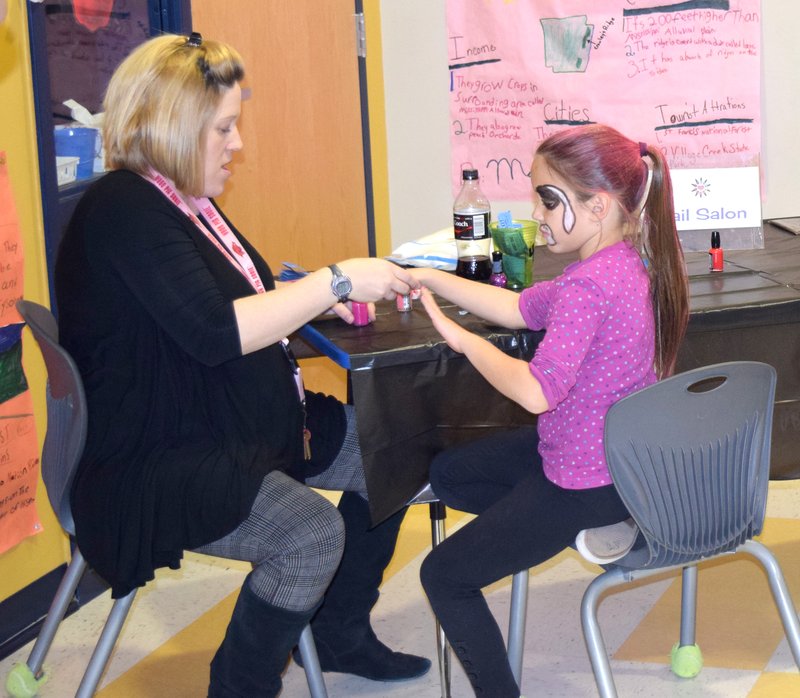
x: 417, y: 117
x: 40, y: 554
x: 780, y: 103
x: 416, y: 80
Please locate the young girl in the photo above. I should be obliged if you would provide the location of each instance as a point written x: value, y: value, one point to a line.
x: 613, y: 326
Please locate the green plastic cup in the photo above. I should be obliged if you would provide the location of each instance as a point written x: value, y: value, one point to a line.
x: 517, y: 245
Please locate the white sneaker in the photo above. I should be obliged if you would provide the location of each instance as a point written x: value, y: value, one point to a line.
x: 607, y: 544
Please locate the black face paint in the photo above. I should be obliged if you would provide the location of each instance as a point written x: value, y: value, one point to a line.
x: 551, y: 197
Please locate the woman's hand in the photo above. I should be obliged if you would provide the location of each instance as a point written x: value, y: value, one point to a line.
x: 374, y: 279
x: 451, y: 331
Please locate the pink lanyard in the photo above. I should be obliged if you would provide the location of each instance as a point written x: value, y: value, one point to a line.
x: 233, y: 250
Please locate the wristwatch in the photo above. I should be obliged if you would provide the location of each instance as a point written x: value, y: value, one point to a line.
x: 340, y: 284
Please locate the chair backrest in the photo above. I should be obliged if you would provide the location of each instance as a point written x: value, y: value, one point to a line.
x: 689, y: 456
x: 66, y: 412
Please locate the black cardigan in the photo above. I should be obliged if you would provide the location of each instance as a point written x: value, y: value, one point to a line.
x: 182, y: 427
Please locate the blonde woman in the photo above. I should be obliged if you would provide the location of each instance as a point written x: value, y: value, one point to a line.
x: 201, y: 435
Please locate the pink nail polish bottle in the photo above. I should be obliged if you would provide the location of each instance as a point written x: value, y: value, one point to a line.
x: 360, y: 314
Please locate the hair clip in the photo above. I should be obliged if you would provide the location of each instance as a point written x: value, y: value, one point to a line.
x: 195, y: 39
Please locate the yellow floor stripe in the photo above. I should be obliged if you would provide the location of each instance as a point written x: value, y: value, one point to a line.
x: 179, y: 668
x: 776, y: 686
x: 737, y: 623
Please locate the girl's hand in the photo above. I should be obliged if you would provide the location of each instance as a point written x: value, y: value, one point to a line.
x: 451, y: 331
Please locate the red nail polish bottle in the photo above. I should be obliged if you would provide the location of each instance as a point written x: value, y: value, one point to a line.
x: 715, y: 256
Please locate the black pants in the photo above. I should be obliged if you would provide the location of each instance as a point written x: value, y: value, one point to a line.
x: 523, y: 520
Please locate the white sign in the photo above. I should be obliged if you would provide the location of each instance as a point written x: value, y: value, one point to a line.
x: 722, y: 197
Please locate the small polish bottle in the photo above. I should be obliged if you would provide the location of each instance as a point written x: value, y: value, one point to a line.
x: 360, y: 314
x: 497, y: 278
x: 715, y: 256
x: 403, y: 303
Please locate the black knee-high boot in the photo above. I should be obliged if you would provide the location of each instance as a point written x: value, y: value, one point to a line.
x: 342, y: 632
x: 251, y: 658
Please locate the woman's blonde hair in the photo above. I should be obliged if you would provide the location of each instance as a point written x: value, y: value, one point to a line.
x: 159, y: 104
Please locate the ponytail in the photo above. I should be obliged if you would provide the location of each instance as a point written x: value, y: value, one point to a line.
x: 669, y: 286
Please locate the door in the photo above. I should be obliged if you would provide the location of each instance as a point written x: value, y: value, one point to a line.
x: 298, y: 187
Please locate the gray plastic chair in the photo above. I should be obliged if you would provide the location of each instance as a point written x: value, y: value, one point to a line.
x: 67, y: 418
x: 689, y: 456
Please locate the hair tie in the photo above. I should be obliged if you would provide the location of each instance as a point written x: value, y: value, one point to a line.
x: 195, y: 39
x: 642, y: 149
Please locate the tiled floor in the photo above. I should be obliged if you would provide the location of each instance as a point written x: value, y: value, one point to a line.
x: 178, y: 621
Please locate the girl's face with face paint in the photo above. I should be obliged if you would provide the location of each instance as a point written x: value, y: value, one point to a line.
x: 566, y: 223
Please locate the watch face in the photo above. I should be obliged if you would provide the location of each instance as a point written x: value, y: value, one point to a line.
x: 343, y: 286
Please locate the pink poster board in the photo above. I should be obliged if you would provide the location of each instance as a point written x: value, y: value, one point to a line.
x: 684, y: 76
x: 19, y: 447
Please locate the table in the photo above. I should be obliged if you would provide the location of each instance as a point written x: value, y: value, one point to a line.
x: 414, y: 396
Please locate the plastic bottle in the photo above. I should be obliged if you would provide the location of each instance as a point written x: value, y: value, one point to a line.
x: 715, y: 255
x: 498, y: 278
x: 471, y: 216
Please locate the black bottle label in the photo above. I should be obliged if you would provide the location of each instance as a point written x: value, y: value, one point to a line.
x: 471, y: 226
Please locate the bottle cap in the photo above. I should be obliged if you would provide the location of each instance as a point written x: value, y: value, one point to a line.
x: 715, y: 240
x: 469, y: 174
x: 497, y: 255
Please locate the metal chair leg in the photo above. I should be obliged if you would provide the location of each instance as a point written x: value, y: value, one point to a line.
x: 517, y: 616
x: 58, y: 608
x: 308, y: 651
x: 688, y: 605
x: 780, y: 592
x: 595, y: 645
x: 102, y: 651
x: 438, y: 514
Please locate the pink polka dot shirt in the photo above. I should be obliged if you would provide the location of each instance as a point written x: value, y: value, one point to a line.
x: 598, y: 347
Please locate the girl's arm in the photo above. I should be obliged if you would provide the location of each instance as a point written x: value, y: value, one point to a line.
x: 510, y: 376
x: 498, y: 305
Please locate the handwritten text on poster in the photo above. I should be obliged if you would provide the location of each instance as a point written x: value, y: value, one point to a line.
x: 684, y: 76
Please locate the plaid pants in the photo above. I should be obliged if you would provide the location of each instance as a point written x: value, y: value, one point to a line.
x: 293, y: 536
